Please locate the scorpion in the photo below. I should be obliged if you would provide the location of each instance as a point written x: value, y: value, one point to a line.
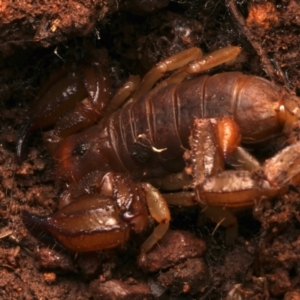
x: 175, y: 133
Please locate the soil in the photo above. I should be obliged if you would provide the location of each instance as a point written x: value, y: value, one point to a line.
x: 189, y: 262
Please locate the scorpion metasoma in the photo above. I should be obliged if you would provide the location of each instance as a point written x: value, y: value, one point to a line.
x: 173, y: 133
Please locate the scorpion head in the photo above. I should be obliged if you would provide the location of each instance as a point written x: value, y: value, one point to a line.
x: 79, y: 155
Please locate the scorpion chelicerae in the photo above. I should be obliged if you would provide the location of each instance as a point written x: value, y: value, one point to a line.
x: 171, y: 134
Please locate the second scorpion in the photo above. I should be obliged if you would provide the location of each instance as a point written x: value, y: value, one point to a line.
x: 172, y: 134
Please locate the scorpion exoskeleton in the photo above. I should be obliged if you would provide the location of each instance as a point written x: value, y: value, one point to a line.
x: 172, y: 133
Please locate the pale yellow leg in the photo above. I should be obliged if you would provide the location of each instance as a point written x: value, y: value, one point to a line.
x: 181, y: 199
x: 159, y: 211
x: 243, y: 160
x: 123, y: 93
x: 171, y: 63
x: 223, y: 217
x: 198, y: 66
x: 171, y: 182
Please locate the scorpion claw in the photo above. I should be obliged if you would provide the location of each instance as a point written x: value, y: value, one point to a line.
x: 96, y: 221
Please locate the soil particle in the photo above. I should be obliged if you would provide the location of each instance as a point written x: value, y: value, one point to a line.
x: 279, y: 282
x: 144, y: 7
x: 295, y: 295
x: 49, y: 277
x: 262, y: 15
x: 176, y: 34
x: 236, y: 263
x: 47, y: 23
x: 175, y: 247
x: 273, y: 27
x: 50, y: 259
x: 118, y: 290
x: 89, y: 264
x: 189, y: 277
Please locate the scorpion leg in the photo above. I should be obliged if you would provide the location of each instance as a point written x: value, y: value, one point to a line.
x: 171, y: 182
x: 219, y: 215
x: 212, y: 142
x: 241, y: 159
x: 212, y: 60
x: 123, y: 93
x: 216, y: 190
x: 171, y: 63
x: 225, y: 190
x: 238, y: 189
x: 184, y: 198
x: 159, y: 211
x: 198, y: 66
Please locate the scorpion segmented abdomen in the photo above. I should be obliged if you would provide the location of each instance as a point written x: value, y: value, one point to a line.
x: 257, y: 104
x: 160, y: 136
x: 220, y: 94
x: 251, y: 101
x: 147, y: 138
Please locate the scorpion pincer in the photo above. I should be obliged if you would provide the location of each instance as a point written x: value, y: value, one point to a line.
x: 178, y: 132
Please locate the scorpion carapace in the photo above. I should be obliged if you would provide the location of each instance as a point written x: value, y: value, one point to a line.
x: 148, y: 139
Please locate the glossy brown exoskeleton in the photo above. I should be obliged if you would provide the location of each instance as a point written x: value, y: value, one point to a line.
x: 196, y: 125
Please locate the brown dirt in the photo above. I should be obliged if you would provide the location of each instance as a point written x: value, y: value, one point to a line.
x: 30, y: 23
x: 263, y: 263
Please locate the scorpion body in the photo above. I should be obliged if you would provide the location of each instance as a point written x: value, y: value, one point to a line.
x: 198, y: 123
x: 147, y: 138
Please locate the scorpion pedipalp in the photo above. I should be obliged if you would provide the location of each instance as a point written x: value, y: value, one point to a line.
x: 95, y: 221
